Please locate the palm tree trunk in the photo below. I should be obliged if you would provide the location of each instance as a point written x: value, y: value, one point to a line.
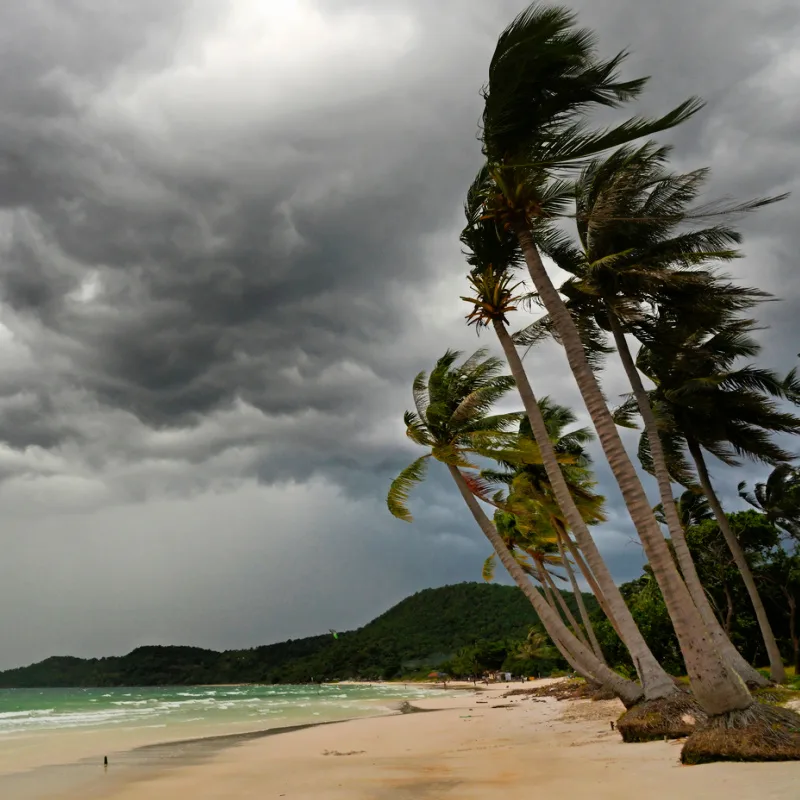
x: 776, y: 668
x: 590, y: 579
x: 548, y: 593
x: 587, y: 623
x: 565, y: 609
x: 716, y: 686
x: 559, y: 644
x: 629, y: 692
x: 567, y: 656
x: 654, y: 679
x: 792, y: 601
x: 676, y: 532
x: 729, y: 608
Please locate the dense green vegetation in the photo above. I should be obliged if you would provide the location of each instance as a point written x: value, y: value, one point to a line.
x: 776, y: 572
x: 420, y: 633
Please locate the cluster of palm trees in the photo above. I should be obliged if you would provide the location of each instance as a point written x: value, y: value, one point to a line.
x: 643, y: 259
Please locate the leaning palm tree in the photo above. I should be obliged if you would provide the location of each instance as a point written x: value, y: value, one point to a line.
x: 453, y: 423
x: 778, y: 498
x: 533, y: 548
x: 532, y: 491
x: 491, y: 254
x: 532, y: 535
x: 542, y: 77
x: 533, y: 502
x: 632, y: 252
x: 705, y: 405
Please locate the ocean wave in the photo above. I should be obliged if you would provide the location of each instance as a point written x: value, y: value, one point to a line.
x: 39, y: 712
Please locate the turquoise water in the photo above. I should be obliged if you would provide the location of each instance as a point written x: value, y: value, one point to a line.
x: 25, y: 711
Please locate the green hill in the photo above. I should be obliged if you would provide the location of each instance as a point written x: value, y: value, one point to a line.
x: 421, y: 631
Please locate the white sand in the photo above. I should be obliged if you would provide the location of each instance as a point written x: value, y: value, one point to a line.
x: 466, y: 750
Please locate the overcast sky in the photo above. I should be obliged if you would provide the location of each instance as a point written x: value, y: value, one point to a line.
x: 229, y: 237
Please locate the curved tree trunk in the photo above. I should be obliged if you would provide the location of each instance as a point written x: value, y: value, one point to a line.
x: 716, y: 686
x: 777, y: 671
x: 565, y: 609
x: 566, y: 655
x: 590, y: 579
x: 576, y: 591
x: 559, y: 644
x: 629, y: 692
x: 682, y: 553
x: 654, y: 679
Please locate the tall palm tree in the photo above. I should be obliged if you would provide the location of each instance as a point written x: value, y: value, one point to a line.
x: 633, y: 253
x: 779, y: 498
x: 491, y: 253
x: 542, y: 77
x: 705, y: 404
x: 452, y: 422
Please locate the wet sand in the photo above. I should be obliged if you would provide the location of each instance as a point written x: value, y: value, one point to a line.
x: 475, y: 746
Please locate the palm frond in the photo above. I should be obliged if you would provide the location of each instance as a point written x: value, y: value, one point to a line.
x: 544, y: 69
x: 484, y: 489
x: 416, y: 430
x: 452, y: 456
x: 626, y: 415
x: 487, y: 572
x: 419, y: 389
x: 401, y: 486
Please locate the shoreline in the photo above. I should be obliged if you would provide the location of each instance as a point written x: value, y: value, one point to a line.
x: 130, y: 758
x: 478, y: 746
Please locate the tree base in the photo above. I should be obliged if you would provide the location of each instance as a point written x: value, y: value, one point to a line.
x: 671, y: 717
x: 758, y: 733
x: 603, y: 693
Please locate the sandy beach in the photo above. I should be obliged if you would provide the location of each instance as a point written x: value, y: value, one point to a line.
x: 474, y: 745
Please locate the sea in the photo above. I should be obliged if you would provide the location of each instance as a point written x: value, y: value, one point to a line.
x: 78, y: 743
x: 237, y: 708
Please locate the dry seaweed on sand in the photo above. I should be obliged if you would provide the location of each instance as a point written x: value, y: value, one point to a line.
x: 572, y: 689
x: 758, y: 733
x: 672, y: 717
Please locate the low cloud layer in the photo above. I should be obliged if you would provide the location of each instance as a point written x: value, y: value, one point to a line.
x: 229, y: 241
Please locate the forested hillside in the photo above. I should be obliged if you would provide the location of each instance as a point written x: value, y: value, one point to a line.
x: 423, y: 631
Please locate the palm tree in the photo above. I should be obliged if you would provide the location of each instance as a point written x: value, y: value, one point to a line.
x: 531, y: 488
x: 535, y: 647
x: 632, y: 253
x: 491, y: 253
x: 542, y: 77
x: 533, y: 547
x: 692, y: 508
x: 778, y: 498
x: 704, y: 404
x: 533, y: 502
x: 453, y: 423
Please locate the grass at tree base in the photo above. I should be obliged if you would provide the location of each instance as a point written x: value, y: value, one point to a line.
x: 758, y: 733
x: 672, y: 717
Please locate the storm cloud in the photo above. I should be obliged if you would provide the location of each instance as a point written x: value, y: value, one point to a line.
x: 229, y: 239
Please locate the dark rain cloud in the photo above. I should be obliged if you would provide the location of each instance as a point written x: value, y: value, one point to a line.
x: 229, y: 240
